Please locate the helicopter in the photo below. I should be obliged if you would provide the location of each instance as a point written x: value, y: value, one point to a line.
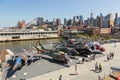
x: 86, y: 47
x: 79, y: 48
x: 57, y: 54
x: 95, y: 47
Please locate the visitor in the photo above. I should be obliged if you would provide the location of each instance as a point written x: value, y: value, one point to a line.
x: 108, y: 56
x: 112, y: 55
x: 83, y: 60
x: 76, y: 69
x: 60, y: 77
x: 96, y: 67
x: 100, y: 67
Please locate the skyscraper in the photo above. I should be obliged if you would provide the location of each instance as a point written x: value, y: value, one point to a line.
x: 74, y: 20
x: 40, y: 21
x: 91, y: 15
x: 108, y: 21
x: 97, y: 21
x: 58, y: 21
x: 65, y: 21
x: 77, y: 20
x: 92, y: 20
x: 116, y: 20
x: 116, y: 15
x: 100, y: 21
x: 101, y: 14
x: 81, y: 21
x: 87, y: 22
x: 54, y: 22
x: 81, y: 17
x: 69, y: 22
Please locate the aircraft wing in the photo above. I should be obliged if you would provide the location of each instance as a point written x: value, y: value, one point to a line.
x: 27, y: 54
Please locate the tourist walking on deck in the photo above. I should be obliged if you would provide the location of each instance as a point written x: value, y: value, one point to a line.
x: 100, y: 67
x: 76, y: 69
x: 112, y: 54
x: 108, y: 56
x: 83, y: 60
x: 96, y: 67
x: 60, y: 77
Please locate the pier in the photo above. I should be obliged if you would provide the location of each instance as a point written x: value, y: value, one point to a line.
x: 27, y: 34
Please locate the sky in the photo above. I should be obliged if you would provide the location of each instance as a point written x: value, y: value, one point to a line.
x: 12, y: 11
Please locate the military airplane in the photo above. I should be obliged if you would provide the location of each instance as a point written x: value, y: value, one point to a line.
x: 22, y: 58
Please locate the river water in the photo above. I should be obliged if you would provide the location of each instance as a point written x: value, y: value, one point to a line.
x: 17, y: 46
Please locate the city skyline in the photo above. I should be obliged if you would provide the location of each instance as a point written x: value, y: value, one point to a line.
x: 14, y: 11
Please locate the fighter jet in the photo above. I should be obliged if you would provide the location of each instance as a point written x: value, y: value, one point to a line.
x: 22, y: 58
x: 18, y: 63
